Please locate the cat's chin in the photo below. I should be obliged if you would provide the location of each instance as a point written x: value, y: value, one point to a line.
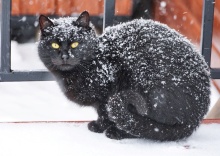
x: 65, y: 67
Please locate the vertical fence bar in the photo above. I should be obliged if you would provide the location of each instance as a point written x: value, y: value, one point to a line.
x: 207, y: 29
x: 5, y: 43
x: 109, y: 13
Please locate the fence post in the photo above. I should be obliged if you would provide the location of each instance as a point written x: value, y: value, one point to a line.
x: 109, y: 13
x: 5, y: 42
x: 207, y: 28
x: 206, y: 35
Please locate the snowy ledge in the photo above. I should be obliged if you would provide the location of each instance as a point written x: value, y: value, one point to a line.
x: 73, y: 138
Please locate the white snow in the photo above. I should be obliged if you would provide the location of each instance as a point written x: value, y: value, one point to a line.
x: 43, y: 101
x: 156, y: 130
x: 163, y: 4
x: 68, y: 139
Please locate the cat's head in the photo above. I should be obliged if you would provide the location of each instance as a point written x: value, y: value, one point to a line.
x: 66, y: 42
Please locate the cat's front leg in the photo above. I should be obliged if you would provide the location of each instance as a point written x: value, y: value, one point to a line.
x: 102, y: 123
x: 117, y: 134
x: 99, y: 126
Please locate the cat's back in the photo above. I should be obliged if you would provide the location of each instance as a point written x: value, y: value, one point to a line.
x: 153, y: 36
x: 154, y: 47
x: 139, y: 30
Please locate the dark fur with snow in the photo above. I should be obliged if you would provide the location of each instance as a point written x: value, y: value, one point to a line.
x: 145, y: 79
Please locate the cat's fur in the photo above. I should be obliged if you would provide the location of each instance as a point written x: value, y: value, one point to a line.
x: 144, y: 79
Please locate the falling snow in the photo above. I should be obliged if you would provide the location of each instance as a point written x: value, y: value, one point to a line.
x: 156, y: 130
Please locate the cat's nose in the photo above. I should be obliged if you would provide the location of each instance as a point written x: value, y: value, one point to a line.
x: 65, y: 57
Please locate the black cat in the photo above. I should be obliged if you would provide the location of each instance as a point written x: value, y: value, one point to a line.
x: 145, y: 79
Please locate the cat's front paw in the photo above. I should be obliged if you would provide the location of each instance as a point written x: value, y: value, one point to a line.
x: 94, y: 126
x: 117, y: 134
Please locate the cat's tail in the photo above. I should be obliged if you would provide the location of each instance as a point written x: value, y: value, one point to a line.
x: 127, y: 118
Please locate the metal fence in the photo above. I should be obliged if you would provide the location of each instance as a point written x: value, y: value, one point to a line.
x: 206, y: 36
x: 7, y: 74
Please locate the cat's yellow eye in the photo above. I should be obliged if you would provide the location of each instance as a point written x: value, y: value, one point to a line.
x: 74, y: 44
x: 55, y: 45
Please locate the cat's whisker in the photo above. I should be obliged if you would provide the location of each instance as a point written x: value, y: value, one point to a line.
x: 83, y: 67
x: 85, y: 62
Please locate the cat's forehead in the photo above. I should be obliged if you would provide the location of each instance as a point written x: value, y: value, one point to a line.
x: 64, y: 28
x: 64, y: 20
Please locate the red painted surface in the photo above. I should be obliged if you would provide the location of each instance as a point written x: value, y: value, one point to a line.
x: 67, y: 7
x: 205, y: 121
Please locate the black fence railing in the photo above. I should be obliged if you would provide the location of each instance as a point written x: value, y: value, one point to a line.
x: 206, y: 36
x: 7, y: 74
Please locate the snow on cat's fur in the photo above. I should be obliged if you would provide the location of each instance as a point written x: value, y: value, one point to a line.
x: 144, y: 78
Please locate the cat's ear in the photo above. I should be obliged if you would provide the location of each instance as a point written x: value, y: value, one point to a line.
x: 45, y: 22
x: 83, y: 19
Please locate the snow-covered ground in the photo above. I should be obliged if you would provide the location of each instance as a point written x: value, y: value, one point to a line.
x: 43, y: 101
x: 71, y: 139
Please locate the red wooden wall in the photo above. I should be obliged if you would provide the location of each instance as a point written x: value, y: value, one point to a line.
x: 67, y: 7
